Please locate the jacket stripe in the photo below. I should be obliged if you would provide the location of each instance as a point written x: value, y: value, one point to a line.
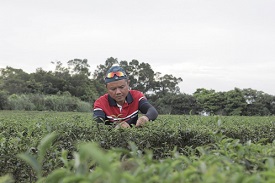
x: 113, y: 118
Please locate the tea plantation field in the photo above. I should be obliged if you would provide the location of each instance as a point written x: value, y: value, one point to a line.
x: 69, y: 147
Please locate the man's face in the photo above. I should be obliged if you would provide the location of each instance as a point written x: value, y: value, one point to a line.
x: 118, y: 90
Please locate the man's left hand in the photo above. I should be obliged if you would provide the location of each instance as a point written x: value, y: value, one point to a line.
x: 142, y: 120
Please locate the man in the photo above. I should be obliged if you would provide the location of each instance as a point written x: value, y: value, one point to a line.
x: 121, y: 105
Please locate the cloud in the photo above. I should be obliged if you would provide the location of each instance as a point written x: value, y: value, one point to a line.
x: 212, y: 44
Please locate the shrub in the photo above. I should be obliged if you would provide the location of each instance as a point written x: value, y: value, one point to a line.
x: 3, y: 100
x: 40, y: 102
x: 83, y: 107
x: 20, y: 102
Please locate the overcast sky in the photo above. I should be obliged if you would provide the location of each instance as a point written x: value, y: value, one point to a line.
x: 212, y: 44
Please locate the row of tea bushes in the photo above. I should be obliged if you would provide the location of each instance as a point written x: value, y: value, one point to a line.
x: 23, y: 132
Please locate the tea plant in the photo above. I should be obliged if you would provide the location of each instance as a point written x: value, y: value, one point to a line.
x: 94, y: 164
x: 171, y: 149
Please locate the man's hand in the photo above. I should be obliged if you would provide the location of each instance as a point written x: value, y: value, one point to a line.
x: 142, y: 120
x: 123, y: 124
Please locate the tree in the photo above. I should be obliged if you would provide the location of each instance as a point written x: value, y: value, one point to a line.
x: 209, y: 101
x: 45, y: 82
x: 235, y: 102
x: 177, y: 104
x: 166, y: 84
x: 52, y: 82
x: 78, y: 66
x: 99, y: 73
x: 141, y: 75
x: 267, y: 102
x: 79, y: 85
x: 14, y: 80
x: 75, y: 79
x: 253, y: 101
x: 272, y: 105
x: 3, y: 99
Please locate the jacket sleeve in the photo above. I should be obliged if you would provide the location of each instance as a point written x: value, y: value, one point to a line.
x: 146, y: 108
x: 98, y: 113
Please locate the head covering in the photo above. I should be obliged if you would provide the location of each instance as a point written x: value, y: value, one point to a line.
x: 115, y: 69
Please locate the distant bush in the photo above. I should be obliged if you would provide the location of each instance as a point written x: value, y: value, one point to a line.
x: 39, y: 102
x: 84, y: 107
x: 20, y: 102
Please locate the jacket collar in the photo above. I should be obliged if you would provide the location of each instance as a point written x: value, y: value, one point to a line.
x: 112, y: 102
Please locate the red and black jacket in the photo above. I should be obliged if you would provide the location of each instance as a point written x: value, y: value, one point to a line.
x: 107, y: 110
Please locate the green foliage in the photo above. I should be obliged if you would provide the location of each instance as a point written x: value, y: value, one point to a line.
x: 6, y: 179
x: 166, y: 84
x: 224, y: 161
x: 14, y: 80
x: 161, y: 90
x: 73, y: 79
x: 3, y: 100
x: 141, y: 75
x: 100, y: 72
x: 210, y: 102
x: 36, y: 164
x: 176, y: 104
x: 78, y: 66
x: 235, y: 102
x: 72, y: 147
x: 20, y: 102
x: 83, y: 106
x: 258, y: 103
x: 39, y: 102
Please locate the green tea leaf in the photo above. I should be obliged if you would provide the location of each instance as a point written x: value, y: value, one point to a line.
x: 44, y: 145
x: 29, y: 159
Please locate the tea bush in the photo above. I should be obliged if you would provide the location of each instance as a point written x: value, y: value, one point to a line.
x: 194, y: 147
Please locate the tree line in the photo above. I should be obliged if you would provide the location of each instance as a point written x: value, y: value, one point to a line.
x: 76, y: 81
